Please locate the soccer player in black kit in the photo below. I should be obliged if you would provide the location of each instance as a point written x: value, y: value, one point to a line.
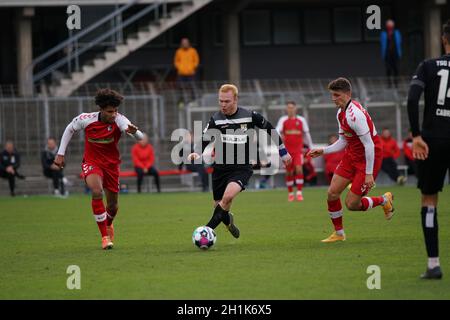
x: 431, y: 145
x: 229, y: 128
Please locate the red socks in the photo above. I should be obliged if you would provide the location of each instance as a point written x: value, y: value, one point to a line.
x: 371, y: 202
x: 98, y: 208
x: 335, y: 211
x: 299, y: 181
x: 290, y: 183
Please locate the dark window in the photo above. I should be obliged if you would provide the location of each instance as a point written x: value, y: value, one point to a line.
x: 317, y: 26
x: 256, y: 27
x: 217, y: 25
x: 286, y: 27
x: 185, y: 29
x: 347, y: 24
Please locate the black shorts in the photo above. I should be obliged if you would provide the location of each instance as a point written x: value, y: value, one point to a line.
x: 221, y: 178
x: 431, y: 172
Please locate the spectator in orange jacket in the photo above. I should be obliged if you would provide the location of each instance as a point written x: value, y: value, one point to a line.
x: 407, y: 150
x: 186, y: 61
x: 391, y: 152
x: 143, y: 160
x: 332, y: 159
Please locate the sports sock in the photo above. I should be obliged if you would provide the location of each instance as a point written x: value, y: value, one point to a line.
x: 299, y: 181
x: 430, y: 230
x: 433, y: 263
x: 290, y: 183
x: 371, y: 202
x: 335, y: 211
x: 98, y: 208
x: 110, y: 215
x: 218, y: 216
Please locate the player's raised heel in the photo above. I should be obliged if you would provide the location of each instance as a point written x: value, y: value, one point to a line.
x: 106, y: 243
x: 434, y: 273
x: 334, y: 238
x: 388, y: 206
x: 232, y: 227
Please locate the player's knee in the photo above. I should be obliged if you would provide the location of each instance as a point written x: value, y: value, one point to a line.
x: 97, y: 192
x: 333, y: 195
x: 352, y: 205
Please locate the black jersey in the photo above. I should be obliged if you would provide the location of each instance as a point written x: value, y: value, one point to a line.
x: 433, y: 77
x: 235, y: 138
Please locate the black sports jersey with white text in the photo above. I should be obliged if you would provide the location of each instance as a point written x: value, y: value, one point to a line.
x: 234, y: 137
x: 433, y: 77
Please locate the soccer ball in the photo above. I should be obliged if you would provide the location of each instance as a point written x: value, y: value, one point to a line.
x: 204, y: 237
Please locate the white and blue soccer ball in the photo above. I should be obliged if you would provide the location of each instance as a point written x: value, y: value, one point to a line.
x: 204, y: 237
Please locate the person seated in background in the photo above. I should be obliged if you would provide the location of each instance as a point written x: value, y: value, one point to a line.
x: 407, y: 151
x: 9, y: 163
x: 51, y: 170
x: 391, y: 152
x: 143, y: 158
x: 332, y: 159
x: 189, y: 147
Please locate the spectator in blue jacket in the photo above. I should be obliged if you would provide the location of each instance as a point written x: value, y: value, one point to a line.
x: 391, y: 50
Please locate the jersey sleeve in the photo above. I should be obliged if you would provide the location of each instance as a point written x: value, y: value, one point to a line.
x: 78, y: 123
x: 416, y: 88
x: 304, y: 124
x: 280, y: 123
x: 122, y: 122
x: 261, y: 122
x: 419, y: 76
x: 306, y: 134
x: 211, y: 125
x: 357, y: 121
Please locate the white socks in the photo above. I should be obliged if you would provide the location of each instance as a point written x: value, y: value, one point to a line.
x: 433, y: 263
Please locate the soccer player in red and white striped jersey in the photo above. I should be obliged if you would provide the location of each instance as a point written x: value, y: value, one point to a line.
x: 360, y: 164
x: 294, y: 131
x: 101, y: 159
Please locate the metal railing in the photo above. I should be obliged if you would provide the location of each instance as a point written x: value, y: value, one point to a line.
x: 73, y: 41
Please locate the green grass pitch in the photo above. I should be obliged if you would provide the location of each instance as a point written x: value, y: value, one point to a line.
x: 279, y: 254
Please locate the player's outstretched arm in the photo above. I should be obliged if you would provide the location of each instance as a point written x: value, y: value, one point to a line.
x: 420, y: 147
x: 262, y: 123
x: 67, y: 136
x: 314, y: 153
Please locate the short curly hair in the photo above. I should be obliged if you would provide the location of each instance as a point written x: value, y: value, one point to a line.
x: 107, y: 97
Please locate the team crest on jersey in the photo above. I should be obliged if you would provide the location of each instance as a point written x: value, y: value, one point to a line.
x: 244, y: 127
x: 109, y: 128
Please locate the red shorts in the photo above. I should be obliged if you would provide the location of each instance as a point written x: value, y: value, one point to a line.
x: 297, y: 160
x: 110, y: 175
x: 357, y: 173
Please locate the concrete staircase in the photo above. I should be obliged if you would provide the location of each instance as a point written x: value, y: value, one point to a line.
x: 74, y: 80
